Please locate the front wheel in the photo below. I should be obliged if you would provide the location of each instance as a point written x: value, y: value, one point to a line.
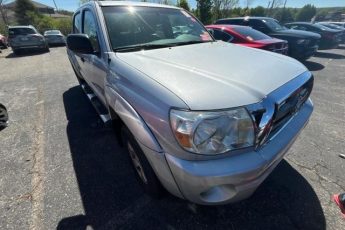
x: 3, y: 117
x: 143, y: 170
x: 16, y: 52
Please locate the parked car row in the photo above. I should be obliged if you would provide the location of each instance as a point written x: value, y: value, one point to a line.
x: 27, y: 37
x: 304, y: 39
x: 330, y: 38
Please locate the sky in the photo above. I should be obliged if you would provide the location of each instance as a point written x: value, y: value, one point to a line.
x: 73, y: 4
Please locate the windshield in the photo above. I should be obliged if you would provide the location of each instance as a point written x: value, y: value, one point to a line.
x: 321, y: 27
x: 21, y: 31
x: 274, y: 24
x: 152, y: 27
x: 250, y: 34
x: 332, y: 26
x: 52, y: 32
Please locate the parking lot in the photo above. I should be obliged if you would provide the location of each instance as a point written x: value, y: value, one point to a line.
x: 61, y: 168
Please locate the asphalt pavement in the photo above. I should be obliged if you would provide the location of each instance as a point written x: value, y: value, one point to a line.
x: 61, y: 168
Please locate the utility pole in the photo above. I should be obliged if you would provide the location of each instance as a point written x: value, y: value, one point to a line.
x: 55, y: 5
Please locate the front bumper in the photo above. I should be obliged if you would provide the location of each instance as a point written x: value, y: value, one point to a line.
x: 300, y: 52
x: 28, y: 45
x: 233, y: 178
x: 56, y: 41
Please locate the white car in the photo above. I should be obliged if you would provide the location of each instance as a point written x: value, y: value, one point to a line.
x: 55, y: 37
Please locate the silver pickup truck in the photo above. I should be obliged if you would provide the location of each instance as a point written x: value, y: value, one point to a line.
x: 206, y: 120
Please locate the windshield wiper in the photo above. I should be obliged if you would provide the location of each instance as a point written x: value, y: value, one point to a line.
x: 141, y: 47
x: 188, y: 43
x: 148, y: 46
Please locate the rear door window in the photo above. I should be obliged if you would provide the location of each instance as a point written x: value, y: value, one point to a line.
x: 257, y: 24
x: 250, y: 33
x: 20, y: 31
x: 231, y: 22
x: 221, y: 35
x: 300, y: 27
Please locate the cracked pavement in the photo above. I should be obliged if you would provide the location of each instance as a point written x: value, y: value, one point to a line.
x: 62, y: 169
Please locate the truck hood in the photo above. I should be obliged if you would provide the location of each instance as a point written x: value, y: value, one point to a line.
x: 215, y: 75
x: 295, y: 34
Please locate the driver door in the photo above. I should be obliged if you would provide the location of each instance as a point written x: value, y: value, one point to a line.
x: 94, y: 65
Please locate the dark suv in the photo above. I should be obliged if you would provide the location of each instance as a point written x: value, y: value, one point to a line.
x: 26, y: 37
x: 330, y: 38
x: 302, y: 44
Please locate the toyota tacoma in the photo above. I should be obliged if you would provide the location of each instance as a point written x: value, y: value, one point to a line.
x: 204, y: 119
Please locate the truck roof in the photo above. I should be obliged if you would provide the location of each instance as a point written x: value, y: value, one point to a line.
x: 129, y: 3
x: 24, y: 26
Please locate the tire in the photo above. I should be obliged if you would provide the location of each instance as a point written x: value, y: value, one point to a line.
x: 47, y: 50
x: 16, y: 52
x: 142, y: 168
x: 3, y: 117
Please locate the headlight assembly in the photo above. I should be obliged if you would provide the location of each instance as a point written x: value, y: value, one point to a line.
x: 302, y: 41
x: 213, y: 132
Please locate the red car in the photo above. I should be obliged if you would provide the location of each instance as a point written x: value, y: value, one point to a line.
x: 3, y: 41
x: 247, y: 36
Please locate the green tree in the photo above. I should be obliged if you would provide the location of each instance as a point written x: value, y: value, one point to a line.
x: 3, y: 28
x: 321, y: 14
x: 183, y: 4
x: 236, y: 12
x: 204, y: 10
x: 222, y: 8
x: 306, y: 13
x: 23, y: 10
x: 283, y: 15
x: 258, y: 11
x: 64, y: 25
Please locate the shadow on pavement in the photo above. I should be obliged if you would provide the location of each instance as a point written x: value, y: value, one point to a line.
x: 329, y: 55
x: 313, y: 66
x: 25, y: 53
x: 57, y: 45
x: 112, y: 198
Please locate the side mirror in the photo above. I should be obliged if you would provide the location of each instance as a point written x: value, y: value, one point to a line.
x: 79, y: 43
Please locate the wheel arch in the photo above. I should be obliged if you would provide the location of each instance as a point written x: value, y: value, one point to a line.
x: 122, y: 113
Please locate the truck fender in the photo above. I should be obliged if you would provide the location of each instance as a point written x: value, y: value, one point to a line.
x: 131, y: 119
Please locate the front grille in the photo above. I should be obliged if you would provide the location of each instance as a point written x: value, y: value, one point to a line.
x: 313, y: 42
x: 281, y: 48
x: 290, y: 106
x: 277, y: 108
